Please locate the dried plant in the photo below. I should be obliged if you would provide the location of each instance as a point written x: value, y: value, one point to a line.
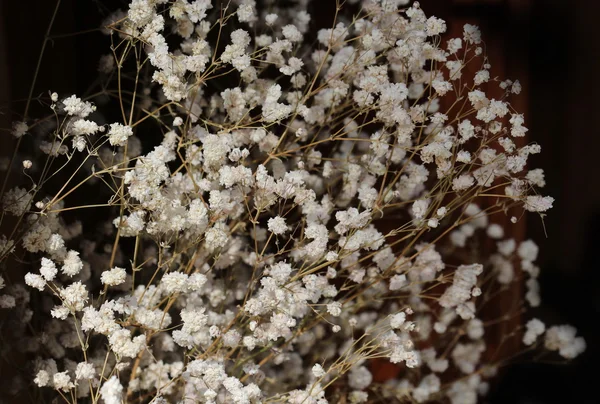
x: 275, y: 210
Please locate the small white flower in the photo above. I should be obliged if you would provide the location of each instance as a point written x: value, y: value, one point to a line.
x: 397, y: 282
x: 35, y: 281
x: 72, y: 264
x: 537, y: 203
x: 48, y: 269
x: 276, y: 225
x: 19, y: 129
x: 397, y: 320
x: 42, y: 378
x: 534, y: 328
x: 270, y: 19
x: 118, y: 134
x: 85, y: 371
x: 419, y: 208
x: 74, y: 296
x: 112, y: 391
x: 62, y: 381
x: 335, y: 309
x: 113, y: 277
x: 318, y: 371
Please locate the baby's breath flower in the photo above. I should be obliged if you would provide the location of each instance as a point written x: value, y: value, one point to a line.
x: 35, y: 281
x: 536, y: 203
x: 19, y: 129
x: 112, y: 391
x: 113, y: 277
x: 318, y: 370
x: 118, y: 134
x: 290, y: 196
x: 48, y: 269
x: 74, y: 296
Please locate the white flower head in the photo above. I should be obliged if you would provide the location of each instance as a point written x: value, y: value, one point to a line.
x: 118, y: 134
x: 113, y: 277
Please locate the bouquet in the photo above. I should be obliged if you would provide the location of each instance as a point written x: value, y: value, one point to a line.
x: 255, y: 209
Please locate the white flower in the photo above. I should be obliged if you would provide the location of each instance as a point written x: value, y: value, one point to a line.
x: 471, y: 34
x: 35, y: 281
x: 19, y: 129
x: 358, y: 397
x: 60, y: 312
x: 535, y: 328
x: 537, y: 203
x: 397, y: 282
x: 17, y: 201
x: 113, y: 277
x: 75, y: 106
x: 118, y: 134
x: 276, y: 225
x: 122, y: 344
x: 462, y: 182
x: 397, y: 320
x: 280, y: 272
x: 42, y: 378
x: 48, y: 269
x: 74, y: 296
x: 79, y: 143
x: 454, y: 45
x: 562, y: 338
x: 231, y: 338
x: 334, y: 308
x: 85, y: 127
x: 72, y: 264
x: 419, y: 208
x: 270, y: 19
x: 463, y: 157
x: 495, y: 231
x: 359, y: 378
x: 246, y: 13
x: 528, y: 250
x: 318, y: 371
x: 435, y: 26
x: 465, y: 278
x: 174, y: 282
x: 433, y: 223
x: 294, y: 65
x: 292, y: 33
x: 481, y: 77
x: 7, y: 301
x: 56, y: 243
x: 62, y: 381
x: 216, y: 237
x: 272, y: 110
x: 85, y: 371
x: 112, y: 391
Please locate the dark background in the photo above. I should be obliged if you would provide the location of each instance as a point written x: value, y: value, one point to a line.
x: 551, y: 46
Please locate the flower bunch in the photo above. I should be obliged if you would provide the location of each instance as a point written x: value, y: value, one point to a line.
x: 280, y: 208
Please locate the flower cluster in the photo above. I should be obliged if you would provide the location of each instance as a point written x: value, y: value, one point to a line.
x: 315, y: 202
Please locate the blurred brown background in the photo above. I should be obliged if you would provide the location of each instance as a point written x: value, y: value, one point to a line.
x: 551, y: 46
